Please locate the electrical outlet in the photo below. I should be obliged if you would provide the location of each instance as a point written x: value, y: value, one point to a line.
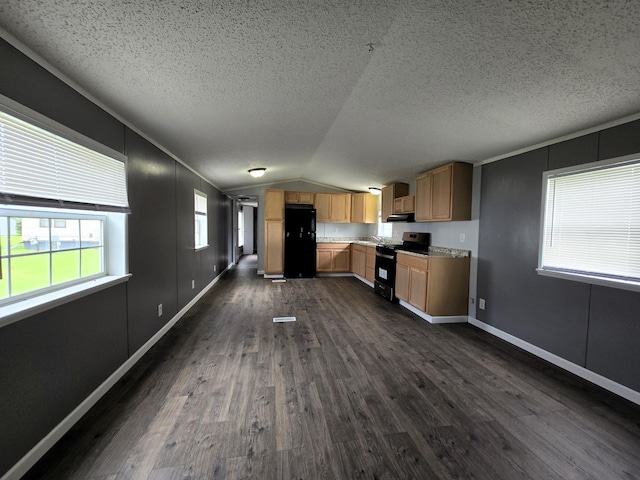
x: 193, y: 284
x: 481, y: 303
x: 160, y: 310
x: 462, y: 237
x: 215, y: 268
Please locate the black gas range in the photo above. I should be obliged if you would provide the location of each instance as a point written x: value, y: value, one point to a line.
x: 386, y: 260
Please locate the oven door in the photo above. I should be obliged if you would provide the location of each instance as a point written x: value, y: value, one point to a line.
x: 385, y: 275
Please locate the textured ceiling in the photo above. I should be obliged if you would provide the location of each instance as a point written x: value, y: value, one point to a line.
x: 294, y: 86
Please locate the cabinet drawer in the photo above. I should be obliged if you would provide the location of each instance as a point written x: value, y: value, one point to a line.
x: 359, y: 248
x: 332, y: 246
x: 420, y: 263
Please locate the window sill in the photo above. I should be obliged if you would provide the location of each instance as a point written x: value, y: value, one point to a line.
x: 26, y: 308
x: 202, y: 247
x: 604, y: 282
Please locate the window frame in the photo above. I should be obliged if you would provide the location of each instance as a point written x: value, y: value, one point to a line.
x: 115, y: 241
x: 204, y: 219
x: 54, y: 214
x: 593, y: 278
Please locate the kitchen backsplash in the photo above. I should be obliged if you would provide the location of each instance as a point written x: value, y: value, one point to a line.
x: 344, y: 230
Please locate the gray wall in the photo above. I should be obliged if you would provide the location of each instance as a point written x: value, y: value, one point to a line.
x: 50, y: 362
x: 592, y: 326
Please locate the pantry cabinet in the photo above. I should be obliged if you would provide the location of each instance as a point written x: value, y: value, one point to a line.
x: 444, y: 194
x: 273, y: 231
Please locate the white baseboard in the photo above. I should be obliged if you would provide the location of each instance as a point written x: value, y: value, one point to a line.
x: 430, y: 318
x: 364, y: 280
x: 43, y: 446
x: 604, y: 382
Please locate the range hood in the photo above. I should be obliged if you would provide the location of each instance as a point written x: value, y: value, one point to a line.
x: 401, y: 217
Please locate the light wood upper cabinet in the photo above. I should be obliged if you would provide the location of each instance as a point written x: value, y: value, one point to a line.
x: 299, y: 197
x: 322, y: 204
x: 444, y: 194
x: 404, y: 204
x: 364, y: 208
x: 389, y: 194
x: 273, y: 204
x: 333, y: 207
x: 423, y: 197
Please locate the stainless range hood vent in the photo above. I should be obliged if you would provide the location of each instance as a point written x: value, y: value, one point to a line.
x: 402, y: 217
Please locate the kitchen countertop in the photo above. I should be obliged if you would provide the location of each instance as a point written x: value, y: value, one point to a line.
x: 367, y: 241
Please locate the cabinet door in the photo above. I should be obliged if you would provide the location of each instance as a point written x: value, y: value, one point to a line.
x: 274, y: 247
x: 342, y: 260
x: 358, y: 261
x: 274, y: 205
x: 370, y: 266
x: 322, y: 204
x: 402, y: 282
x: 423, y: 197
x: 291, y: 197
x: 418, y: 288
x: 305, y: 197
x: 387, y: 202
x: 441, y: 193
x: 358, y: 201
x: 324, y: 260
x: 340, y: 207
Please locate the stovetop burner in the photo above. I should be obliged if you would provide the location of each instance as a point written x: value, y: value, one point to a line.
x: 411, y: 242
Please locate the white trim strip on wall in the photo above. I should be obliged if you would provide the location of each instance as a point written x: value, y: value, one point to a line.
x: 604, y: 382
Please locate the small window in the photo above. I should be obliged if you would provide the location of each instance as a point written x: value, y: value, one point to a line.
x: 590, y: 228
x: 201, y: 226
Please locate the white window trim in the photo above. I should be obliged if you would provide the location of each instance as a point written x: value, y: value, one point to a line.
x: 580, y: 277
x: 204, y: 246
x: 116, y: 252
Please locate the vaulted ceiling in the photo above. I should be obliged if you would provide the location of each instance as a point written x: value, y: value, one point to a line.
x: 349, y: 93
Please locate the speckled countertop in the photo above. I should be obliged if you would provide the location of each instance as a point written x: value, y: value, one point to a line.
x: 369, y: 242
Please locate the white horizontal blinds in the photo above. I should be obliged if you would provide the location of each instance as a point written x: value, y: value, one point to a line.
x: 36, y: 163
x: 592, y: 222
x: 200, y: 203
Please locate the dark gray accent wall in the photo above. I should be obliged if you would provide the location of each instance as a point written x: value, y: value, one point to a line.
x: 594, y: 327
x: 51, y: 362
x: 151, y: 182
x: 32, y: 86
x: 189, y: 269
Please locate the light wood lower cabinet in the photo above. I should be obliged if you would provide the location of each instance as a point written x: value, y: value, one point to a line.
x: 435, y: 285
x: 333, y: 257
x: 273, y: 247
x: 359, y: 259
x: 370, y: 266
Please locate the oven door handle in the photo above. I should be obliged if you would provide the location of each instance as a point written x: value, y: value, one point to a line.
x: 389, y: 257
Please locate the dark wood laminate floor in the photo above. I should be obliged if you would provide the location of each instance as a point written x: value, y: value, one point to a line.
x: 356, y: 388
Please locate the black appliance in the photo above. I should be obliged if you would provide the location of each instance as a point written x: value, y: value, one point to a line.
x: 401, y: 217
x: 299, y: 241
x: 385, y: 282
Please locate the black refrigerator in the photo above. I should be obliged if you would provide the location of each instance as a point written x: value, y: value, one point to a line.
x: 299, y: 241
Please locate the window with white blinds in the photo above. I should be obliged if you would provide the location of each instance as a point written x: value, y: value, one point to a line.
x: 591, y: 221
x: 39, y: 167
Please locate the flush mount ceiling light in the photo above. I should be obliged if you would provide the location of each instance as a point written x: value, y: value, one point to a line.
x: 375, y: 190
x: 257, y: 172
